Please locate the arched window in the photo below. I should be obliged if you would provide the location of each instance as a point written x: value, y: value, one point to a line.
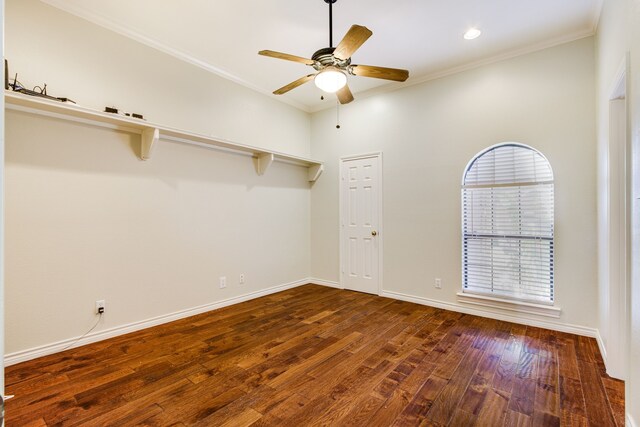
x: 507, y: 224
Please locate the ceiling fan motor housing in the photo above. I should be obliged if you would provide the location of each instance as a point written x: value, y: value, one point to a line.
x: 324, y: 58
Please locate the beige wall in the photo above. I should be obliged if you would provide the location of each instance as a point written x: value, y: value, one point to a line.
x: 96, y: 68
x: 429, y: 132
x: 619, y: 35
x: 87, y: 220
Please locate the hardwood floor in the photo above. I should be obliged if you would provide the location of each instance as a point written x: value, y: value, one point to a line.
x: 321, y: 356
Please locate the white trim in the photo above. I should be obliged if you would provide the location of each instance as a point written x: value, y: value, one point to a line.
x: 595, y: 19
x: 141, y: 38
x: 101, y: 21
x: 510, y: 305
x: 540, y: 323
x: 323, y: 282
x: 413, y: 81
x: 2, y: 226
x: 630, y: 421
x: 380, y: 223
x: 602, y: 347
x: 618, y: 227
x: 24, y: 355
x: 79, y: 114
x: 619, y: 84
x: 362, y: 156
x: 43, y: 350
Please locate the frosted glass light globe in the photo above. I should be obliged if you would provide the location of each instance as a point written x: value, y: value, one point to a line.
x: 330, y: 80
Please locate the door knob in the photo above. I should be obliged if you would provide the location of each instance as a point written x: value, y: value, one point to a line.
x: 374, y: 233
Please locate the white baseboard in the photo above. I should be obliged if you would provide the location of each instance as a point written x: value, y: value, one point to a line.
x: 601, y: 346
x: 322, y: 282
x: 32, y: 353
x: 44, y: 350
x: 485, y: 312
x: 519, y: 307
x: 630, y: 422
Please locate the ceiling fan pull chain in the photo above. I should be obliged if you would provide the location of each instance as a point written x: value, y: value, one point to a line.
x: 337, y: 114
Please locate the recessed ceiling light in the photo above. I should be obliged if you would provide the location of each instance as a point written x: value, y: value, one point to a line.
x: 472, y: 33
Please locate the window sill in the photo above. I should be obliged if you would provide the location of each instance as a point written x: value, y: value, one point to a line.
x: 504, y: 304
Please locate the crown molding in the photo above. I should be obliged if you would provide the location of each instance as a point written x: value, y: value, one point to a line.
x: 104, y: 22
x: 597, y: 12
x: 108, y: 24
x: 465, y: 67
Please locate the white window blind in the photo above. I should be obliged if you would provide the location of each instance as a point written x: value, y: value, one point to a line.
x: 507, y: 224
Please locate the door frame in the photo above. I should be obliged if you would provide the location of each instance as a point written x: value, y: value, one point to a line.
x: 2, y: 232
x: 620, y: 225
x: 379, y: 228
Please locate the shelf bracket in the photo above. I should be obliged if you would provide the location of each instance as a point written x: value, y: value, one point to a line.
x: 263, y: 161
x: 148, y: 141
x: 315, y: 171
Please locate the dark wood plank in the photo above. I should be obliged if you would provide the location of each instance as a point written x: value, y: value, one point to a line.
x: 517, y: 419
x: 360, y: 415
x: 321, y: 356
x: 447, y: 401
x: 615, y: 394
x: 462, y: 418
x: 505, y: 375
x: 402, y: 395
x: 494, y: 409
x: 420, y: 405
x: 523, y: 396
x: 598, y: 410
x: 473, y: 398
x: 572, y: 396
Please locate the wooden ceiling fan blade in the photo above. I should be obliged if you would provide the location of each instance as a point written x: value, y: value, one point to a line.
x: 344, y: 95
x: 294, y: 84
x: 395, y: 74
x: 286, y: 56
x: 355, y: 37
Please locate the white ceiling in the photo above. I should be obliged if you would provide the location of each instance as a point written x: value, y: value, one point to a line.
x: 423, y: 36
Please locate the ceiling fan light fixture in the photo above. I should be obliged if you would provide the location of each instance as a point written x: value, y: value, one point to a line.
x: 472, y: 33
x: 332, y: 64
x: 330, y: 80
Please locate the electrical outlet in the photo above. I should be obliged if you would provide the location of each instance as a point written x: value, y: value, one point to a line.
x: 242, y: 279
x: 223, y: 282
x: 100, y: 306
x: 438, y: 283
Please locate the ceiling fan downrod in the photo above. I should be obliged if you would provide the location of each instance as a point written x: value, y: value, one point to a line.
x: 330, y: 2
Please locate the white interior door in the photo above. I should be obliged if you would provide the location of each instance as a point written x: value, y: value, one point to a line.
x: 360, y: 223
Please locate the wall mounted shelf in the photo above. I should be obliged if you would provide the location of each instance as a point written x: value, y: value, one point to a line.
x: 150, y: 133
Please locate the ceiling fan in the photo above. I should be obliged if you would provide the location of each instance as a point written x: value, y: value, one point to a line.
x: 332, y: 64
